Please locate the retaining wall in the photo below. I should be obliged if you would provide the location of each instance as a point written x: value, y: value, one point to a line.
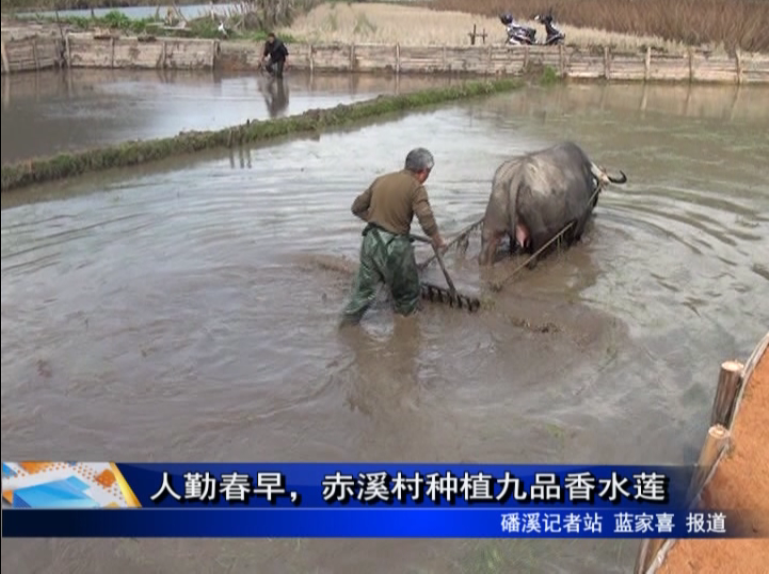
x: 86, y: 50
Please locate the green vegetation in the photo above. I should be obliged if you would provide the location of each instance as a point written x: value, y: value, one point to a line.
x: 743, y: 23
x: 64, y: 165
x: 246, y: 20
x: 198, y: 28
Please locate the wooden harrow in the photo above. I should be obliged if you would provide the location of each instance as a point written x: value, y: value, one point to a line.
x: 438, y: 294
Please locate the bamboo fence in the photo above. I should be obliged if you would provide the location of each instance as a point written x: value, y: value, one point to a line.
x: 732, y: 381
x: 88, y: 50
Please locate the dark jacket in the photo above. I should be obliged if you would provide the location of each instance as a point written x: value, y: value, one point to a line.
x: 277, y: 51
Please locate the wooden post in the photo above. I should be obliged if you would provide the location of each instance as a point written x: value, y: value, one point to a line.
x: 112, y: 51
x: 311, y: 62
x: 649, y: 550
x: 472, y: 36
x: 647, y: 63
x: 715, y: 443
x: 562, y: 60
x: 606, y: 63
x: 397, y: 58
x: 729, y: 382
x: 34, y: 53
x: 212, y: 62
x: 738, y: 62
x: 163, y: 55
x: 69, y: 51
x: 690, y: 56
x: 352, y: 57
x: 6, y: 95
x: 6, y: 64
x: 483, y: 36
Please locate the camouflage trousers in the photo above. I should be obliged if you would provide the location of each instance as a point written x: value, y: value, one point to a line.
x: 384, y: 258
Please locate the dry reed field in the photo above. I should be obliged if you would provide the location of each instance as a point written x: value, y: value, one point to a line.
x: 743, y: 23
x: 371, y: 23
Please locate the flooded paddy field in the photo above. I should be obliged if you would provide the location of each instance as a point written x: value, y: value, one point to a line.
x: 187, y: 311
x: 56, y: 111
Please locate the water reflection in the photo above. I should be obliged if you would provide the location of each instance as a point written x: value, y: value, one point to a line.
x: 55, y: 111
x: 275, y: 92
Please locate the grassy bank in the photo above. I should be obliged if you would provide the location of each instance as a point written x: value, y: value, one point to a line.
x: 743, y: 23
x: 64, y: 165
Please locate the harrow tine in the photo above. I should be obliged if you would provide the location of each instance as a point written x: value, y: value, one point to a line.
x: 437, y: 294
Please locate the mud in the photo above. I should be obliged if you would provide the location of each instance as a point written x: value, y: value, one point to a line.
x: 181, y: 313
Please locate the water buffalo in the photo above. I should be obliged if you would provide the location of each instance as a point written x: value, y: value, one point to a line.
x: 535, y: 195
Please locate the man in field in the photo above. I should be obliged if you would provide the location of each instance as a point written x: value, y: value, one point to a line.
x: 386, y: 253
x: 276, y: 53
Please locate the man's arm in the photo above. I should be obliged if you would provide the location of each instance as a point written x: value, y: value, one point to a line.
x: 361, y: 204
x: 424, y: 213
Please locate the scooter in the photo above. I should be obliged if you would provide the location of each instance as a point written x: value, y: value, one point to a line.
x: 517, y: 35
x: 554, y: 35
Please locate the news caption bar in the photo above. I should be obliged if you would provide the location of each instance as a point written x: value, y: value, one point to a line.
x: 85, y: 499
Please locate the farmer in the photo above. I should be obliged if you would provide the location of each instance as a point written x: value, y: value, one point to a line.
x: 277, y: 53
x: 386, y: 253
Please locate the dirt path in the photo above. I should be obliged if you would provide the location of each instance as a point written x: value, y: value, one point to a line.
x: 740, y: 482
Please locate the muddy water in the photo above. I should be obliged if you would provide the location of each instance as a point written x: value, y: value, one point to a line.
x: 188, y: 313
x: 54, y: 111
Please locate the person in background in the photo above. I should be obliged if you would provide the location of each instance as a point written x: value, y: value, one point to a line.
x: 386, y: 254
x: 276, y: 52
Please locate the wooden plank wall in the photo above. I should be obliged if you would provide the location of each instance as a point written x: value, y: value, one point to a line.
x: 83, y: 50
x: 32, y: 53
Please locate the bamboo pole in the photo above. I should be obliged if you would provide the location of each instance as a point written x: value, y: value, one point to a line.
x: 606, y: 63
x: 650, y: 548
x: 69, y: 50
x: 352, y: 57
x: 652, y: 552
x: 715, y: 443
x: 397, y: 58
x: 738, y: 63
x: 729, y: 381
x: 747, y: 373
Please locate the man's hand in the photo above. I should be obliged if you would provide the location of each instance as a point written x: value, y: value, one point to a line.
x: 438, y: 241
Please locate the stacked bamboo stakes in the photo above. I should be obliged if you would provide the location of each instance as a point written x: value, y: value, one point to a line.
x: 732, y: 382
